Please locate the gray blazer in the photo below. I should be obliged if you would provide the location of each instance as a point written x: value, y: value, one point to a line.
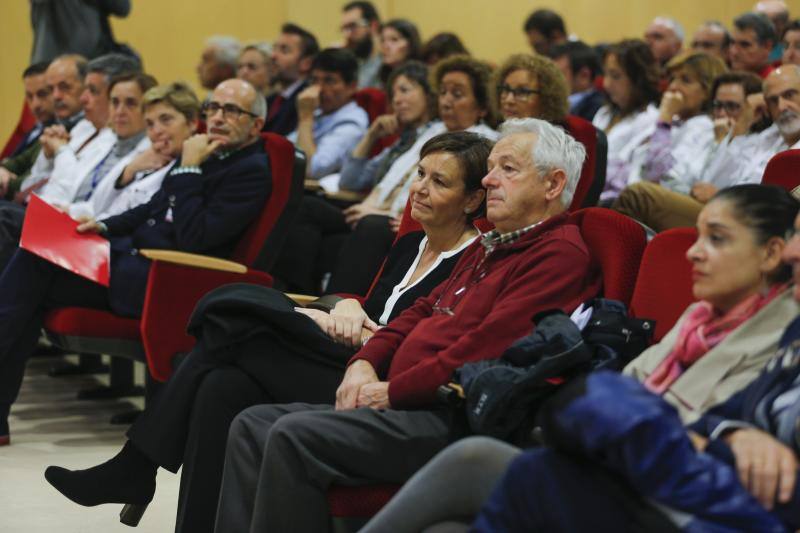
x: 726, y: 368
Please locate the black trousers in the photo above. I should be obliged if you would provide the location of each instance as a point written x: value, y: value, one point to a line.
x: 29, y: 285
x: 187, y: 422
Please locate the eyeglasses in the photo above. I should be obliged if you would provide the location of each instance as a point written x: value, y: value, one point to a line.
x: 520, y: 93
x: 229, y: 111
x: 728, y: 107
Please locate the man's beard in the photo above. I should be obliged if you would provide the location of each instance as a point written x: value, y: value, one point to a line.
x: 788, y: 123
x: 363, y: 49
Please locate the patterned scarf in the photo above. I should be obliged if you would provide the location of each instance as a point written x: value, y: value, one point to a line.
x: 701, y: 331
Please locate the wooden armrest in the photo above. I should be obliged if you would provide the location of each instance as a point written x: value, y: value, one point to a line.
x: 302, y: 299
x: 346, y: 196
x: 194, y: 260
x: 312, y: 185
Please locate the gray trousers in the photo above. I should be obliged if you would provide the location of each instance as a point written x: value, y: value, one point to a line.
x: 281, y: 459
x: 452, y: 487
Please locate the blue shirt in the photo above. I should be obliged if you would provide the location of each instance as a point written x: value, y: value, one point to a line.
x: 335, y: 134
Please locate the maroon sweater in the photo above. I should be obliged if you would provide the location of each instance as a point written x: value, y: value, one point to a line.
x: 487, y: 303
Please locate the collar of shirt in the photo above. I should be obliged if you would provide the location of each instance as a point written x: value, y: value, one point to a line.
x: 576, y: 98
x: 492, y: 239
x: 69, y: 122
x: 290, y: 90
x: 124, y: 146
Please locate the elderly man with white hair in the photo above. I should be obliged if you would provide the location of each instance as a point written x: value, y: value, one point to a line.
x: 218, y: 61
x: 385, y: 422
x: 664, y: 36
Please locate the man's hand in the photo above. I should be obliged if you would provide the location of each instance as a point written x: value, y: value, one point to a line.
x: 765, y: 465
x: 307, y: 102
x: 374, y: 395
x: 703, y: 191
x: 88, y: 225
x: 671, y: 105
x: 383, y: 125
x: 753, y: 108
x: 722, y: 126
x: 356, y: 212
x: 149, y: 159
x: 198, y: 148
x: 5, y: 177
x: 53, y: 138
x: 358, y: 374
x: 347, y: 320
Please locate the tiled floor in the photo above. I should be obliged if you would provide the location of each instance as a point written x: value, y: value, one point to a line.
x: 49, y: 426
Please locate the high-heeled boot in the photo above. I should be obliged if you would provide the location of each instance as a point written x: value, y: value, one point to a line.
x: 128, y: 478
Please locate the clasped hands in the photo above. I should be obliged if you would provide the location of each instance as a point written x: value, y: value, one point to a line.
x: 361, y: 388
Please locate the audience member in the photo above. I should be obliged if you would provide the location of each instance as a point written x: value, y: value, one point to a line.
x: 330, y: 122
x: 203, y: 206
x: 74, y: 27
x: 712, y: 38
x: 454, y: 485
x: 737, y: 472
x: 218, y: 61
x: 791, y: 44
x: 386, y: 404
x: 678, y: 202
x: 361, y: 28
x: 544, y: 28
x: 64, y: 79
x: 580, y: 66
x: 665, y: 37
x: 751, y: 43
x: 441, y: 46
x: 292, y: 54
x: 170, y: 114
x: 255, y: 66
x: 187, y: 424
x: 778, y: 13
x: 39, y: 99
x: 399, y: 42
x: 630, y: 79
x: 531, y: 86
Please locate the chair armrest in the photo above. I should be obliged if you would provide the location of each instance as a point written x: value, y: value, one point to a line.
x: 194, y: 260
x: 172, y: 293
x: 302, y: 299
x: 346, y: 196
x: 312, y: 185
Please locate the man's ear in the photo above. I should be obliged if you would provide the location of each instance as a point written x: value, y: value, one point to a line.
x: 555, y: 183
x: 304, y: 65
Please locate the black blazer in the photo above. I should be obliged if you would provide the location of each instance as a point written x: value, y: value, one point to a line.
x: 587, y: 108
x: 285, y: 120
x: 200, y: 213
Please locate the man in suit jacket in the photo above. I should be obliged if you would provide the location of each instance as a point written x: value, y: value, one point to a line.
x: 292, y: 54
x: 580, y: 65
x: 206, y: 202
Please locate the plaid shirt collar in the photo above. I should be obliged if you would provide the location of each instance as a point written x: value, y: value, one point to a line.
x: 492, y: 239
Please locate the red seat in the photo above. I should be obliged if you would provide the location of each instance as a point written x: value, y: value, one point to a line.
x: 664, y: 286
x: 372, y: 100
x: 173, y: 290
x: 583, y: 132
x: 25, y: 124
x: 783, y: 170
x: 617, y: 243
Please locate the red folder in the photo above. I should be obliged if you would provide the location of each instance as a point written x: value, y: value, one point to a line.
x: 50, y: 234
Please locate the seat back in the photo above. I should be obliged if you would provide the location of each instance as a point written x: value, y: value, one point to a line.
x: 783, y: 170
x: 617, y: 243
x: 372, y: 100
x: 25, y: 124
x: 592, y: 197
x: 664, y: 285
x: 262, y: 241
x: 586, y: 134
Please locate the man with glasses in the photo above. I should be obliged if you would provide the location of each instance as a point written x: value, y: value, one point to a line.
x: 361, y: 30
x: 387, y: 422
x: 330, y: 122
x: 292, y: 54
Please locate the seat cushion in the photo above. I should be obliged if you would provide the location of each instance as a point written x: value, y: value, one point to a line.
x: 83, y: 322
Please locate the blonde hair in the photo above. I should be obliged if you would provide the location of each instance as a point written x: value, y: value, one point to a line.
x: 177, y: 95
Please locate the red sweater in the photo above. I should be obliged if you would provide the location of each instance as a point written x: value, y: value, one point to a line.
x: 492, y: 300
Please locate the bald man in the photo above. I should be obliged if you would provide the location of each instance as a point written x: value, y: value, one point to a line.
x: 205, y: 203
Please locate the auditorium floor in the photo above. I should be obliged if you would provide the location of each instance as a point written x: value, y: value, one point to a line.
x: 49, y: 426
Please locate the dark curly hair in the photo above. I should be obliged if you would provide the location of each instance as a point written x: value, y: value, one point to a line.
x: 479, y: 74
x: 552, y: 85
x: 639, y: 65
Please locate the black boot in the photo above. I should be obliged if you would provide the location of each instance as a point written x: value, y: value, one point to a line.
x: 129, y: 478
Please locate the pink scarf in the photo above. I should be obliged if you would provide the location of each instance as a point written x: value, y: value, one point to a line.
x: 703, y: 329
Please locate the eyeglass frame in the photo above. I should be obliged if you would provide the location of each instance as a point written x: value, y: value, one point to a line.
x: 227, y: 110
x: 717, y: 105
x: 522, y: 94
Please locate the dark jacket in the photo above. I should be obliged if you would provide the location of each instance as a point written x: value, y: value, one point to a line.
x: 201, y: 213
x: 284, y: 121
x: 588, y: 105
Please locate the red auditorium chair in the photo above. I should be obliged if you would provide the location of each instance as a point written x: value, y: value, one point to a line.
x: 783, y: 170
x: 176, y: 282
x: 664, y: 286
x: 585, y: 133
x: 617, y: 243
x: 25, y: 124
x: 372, y: 100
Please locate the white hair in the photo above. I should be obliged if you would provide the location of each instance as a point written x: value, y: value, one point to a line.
x: 259, y: 107
x: 672, y: 24
x: 226, y: 48
x: 553, y: 149
x: 263, y: 47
